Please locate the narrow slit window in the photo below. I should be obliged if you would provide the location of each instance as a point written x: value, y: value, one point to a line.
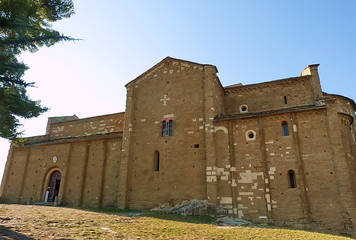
x: 285, y: 100
x: 156, y: 161
x: 164, y: 128
x: 285, y: 129
x: 292, y: 180
x: 170, y: 126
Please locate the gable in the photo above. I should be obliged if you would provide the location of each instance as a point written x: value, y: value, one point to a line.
x: 166, y: 62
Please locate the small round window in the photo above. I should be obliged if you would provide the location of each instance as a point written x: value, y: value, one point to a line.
x: 250, y: 135
x: 243, y: 108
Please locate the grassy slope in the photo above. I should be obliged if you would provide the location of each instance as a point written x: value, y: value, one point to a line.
x: 40, y: 222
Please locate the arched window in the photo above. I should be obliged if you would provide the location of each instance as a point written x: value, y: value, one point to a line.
x: 170, y: 126
x: 164, y: 128
x: 292, y: 180
x: 285, y: 128
x: 156, y: 161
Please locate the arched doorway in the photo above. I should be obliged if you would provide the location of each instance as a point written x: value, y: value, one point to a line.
x: 53, y: 186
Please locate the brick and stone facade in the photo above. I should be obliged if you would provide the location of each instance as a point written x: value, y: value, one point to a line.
x: 282, y: 152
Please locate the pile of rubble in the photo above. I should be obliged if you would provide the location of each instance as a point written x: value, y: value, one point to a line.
x: 229, y: 221
x: 200, y: 207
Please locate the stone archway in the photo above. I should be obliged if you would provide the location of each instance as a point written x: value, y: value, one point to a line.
x: 53, y: 186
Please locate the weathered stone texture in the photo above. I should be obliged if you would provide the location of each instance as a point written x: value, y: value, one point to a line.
x: 281, y: 152
x: 165, y: 91
x: 89, y: 169
x: 86, y: 127
x: 269, y: 96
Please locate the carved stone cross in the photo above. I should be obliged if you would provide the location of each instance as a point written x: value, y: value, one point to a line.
x: 164, y: 100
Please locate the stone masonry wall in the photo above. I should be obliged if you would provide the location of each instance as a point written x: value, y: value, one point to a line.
x: 87, y: 126
x: 89, y: 172
x: 252, y: 171
x: 273, y: 95
x: 293, y: 166
x: 172, y: 91
x: 214, y: 105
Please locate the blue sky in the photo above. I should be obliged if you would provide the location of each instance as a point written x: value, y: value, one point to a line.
x: 248, y: 41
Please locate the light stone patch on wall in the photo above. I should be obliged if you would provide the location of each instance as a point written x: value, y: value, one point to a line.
x: 168, y: 116
x: 295, y: 128
x: 248, y: 176
x: 57, y: 129
x: 226, y: 200
x: 223, y: 173
x: 130, y: 127
x: 224, y: 129
x: 271, y: 170
x: 274, y: 204
x: 246, y: 193
x: 211, y: 178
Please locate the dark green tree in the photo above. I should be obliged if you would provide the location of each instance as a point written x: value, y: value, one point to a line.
x: 25, y: 25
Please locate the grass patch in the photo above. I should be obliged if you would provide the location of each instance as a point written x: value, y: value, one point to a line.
x: 41, y: 222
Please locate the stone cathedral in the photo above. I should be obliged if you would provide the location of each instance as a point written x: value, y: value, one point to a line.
x: 282, y: 152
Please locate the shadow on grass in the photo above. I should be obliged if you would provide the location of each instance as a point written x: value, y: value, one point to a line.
x: 197, y: 219
x: 11, y: 234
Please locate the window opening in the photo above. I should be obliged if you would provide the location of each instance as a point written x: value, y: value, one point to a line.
x: 243, y: 108
x: 250, y: 135
x: 156, y: 161
x: 164, y: 128
x: 167, y: 128
x: 196, y: 145
x: 285, y: 100
x: 292, y: 180
x: 170, y: 128
x: 285, y: 128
